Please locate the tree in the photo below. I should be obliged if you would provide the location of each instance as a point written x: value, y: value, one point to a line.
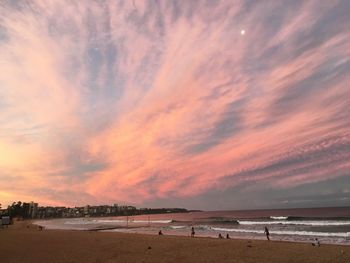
x: 16, y: 209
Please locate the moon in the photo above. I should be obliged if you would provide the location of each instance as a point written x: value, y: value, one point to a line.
x: 242, y: 32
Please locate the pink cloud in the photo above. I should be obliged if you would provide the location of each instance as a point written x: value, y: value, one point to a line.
x: 135, y: 102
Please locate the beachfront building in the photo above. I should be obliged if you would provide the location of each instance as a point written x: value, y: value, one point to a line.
x: 33, y: 209
x: 86, y: 210
x: 29, y: 210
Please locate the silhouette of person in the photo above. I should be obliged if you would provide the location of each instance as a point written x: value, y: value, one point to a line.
x: 267, y: 233
x: 160, y: 232
x: 220, y: 236
x: 227, y: 236
x: 192, y: 232
x: 316, y: 243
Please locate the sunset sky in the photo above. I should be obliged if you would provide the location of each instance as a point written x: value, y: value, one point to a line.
x: 198, y: 104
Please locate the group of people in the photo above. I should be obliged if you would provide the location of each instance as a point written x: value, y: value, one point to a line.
x: 220, y: 236
x: 227, y: 236
x: 266, y: 232
x: 160, y: 233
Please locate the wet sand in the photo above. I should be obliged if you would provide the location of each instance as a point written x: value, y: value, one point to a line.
x: 23, y: 242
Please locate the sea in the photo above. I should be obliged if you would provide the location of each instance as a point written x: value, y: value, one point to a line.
x: 328, y: 225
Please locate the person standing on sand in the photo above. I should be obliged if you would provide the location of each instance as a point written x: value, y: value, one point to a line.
x: 267, y: 233
x: 192, y: 232
x: 316, y: 243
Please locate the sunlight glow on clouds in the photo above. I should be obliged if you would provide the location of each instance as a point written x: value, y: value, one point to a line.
x: 138, y: 101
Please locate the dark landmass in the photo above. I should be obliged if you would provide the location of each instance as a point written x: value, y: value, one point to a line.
x: 34, y: 211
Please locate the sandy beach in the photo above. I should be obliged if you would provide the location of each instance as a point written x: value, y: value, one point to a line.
x: 23, y: 242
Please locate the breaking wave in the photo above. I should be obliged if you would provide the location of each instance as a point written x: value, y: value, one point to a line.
x: 178, y: 227
x: 115, y: 221
x: 283, y: 232
x: 301, y: 222
x: 279, y: 217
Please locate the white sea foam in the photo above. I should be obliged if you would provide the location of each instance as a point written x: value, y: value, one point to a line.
x: 113, y: 221
x: 153, y: 221
x: 99, y: 221
x: 279, y: 217
x: 301, y: 222
x: 280, y: 232
x: 177, y: 227
x: 92, y: 222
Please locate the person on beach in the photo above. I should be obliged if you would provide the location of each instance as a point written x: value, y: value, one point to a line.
x: 227, y: 236
x: 160, y: 233
x: 267, y: 233
x: 220, y: 236
x: 316, y: 243
x: 192, y: 232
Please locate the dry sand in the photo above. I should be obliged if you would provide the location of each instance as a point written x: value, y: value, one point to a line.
x: 23, y: 242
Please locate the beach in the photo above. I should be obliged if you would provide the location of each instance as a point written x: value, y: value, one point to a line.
x: 23, y: 242
x: 329, y: 225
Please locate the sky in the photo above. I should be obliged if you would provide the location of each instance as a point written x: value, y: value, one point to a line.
x: 199, y: 104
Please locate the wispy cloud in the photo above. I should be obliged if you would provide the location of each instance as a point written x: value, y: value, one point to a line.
x: 139, y: 101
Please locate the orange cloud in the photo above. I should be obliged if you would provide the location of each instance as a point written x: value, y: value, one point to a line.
x: 134, y: 102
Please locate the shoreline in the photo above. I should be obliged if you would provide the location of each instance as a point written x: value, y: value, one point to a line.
x: 23, y: 242
x: 178, y: 234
